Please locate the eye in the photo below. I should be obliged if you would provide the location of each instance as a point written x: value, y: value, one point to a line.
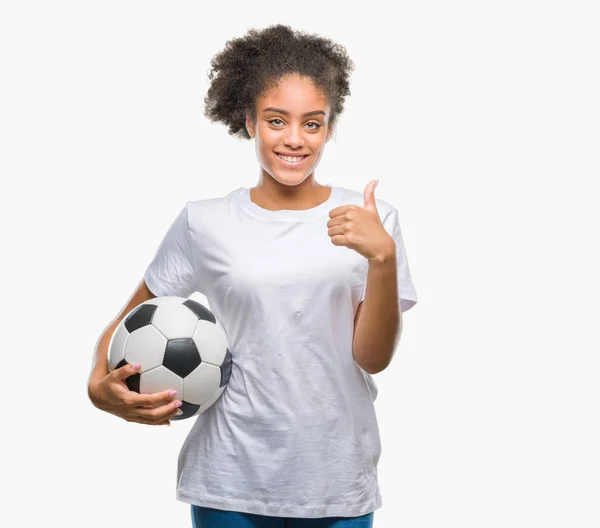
x: 315, y: 127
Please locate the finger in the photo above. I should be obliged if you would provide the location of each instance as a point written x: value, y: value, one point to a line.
x: 336, y: 230
x: 166, y: 421
x: 125, y: 371
x: 155, y: 415
x: 159, y: 398
x: 341, y: 210
x: 170, y: 415
x: 152, y: 400
x: 338, y: 220
x: 145, y: 422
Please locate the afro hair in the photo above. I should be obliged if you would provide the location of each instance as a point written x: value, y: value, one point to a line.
x: 250, y: 65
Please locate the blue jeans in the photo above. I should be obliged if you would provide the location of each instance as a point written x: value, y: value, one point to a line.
x: 203, y: 517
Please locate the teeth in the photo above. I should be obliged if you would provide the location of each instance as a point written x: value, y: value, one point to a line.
x: 291, y: 159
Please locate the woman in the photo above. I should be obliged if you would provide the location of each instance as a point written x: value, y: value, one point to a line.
x: 287, y: 267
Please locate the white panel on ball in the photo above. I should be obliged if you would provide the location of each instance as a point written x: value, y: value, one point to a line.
x: 158, y: 378
x: 175, y: 321
x: 147, y: 346
x: 212, y: 399
x: 210, y: 342
x: 157, y: 301
x: 200, y: 384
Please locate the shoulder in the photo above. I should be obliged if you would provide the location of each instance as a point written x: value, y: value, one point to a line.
x: 214, y: 202
x: 211, y: 208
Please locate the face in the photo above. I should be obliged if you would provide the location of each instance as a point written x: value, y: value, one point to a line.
x: 292, y: 119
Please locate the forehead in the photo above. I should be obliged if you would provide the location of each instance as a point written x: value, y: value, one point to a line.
x: 294, y: 93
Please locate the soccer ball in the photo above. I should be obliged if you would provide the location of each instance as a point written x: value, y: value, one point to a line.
x: 180, y: 345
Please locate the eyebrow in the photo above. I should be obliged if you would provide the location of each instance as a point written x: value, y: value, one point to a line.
x: 281, y: 111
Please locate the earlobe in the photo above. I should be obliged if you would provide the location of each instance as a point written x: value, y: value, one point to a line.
x: 249, y: 127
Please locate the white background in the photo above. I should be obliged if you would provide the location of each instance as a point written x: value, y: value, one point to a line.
x: 481, y: 120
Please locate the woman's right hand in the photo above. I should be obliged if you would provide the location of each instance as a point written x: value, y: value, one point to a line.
x: 112, y: 395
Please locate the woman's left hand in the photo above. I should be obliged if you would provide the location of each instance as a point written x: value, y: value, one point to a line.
x: 360, y: 228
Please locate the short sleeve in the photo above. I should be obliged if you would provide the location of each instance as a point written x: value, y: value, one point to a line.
x: 172, y: 270
x: 407, y: 295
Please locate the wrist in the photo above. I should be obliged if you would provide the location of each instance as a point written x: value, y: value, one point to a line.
x: 386, y: 257
x: 93, y: 384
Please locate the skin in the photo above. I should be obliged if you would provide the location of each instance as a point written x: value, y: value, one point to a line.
x: 279, y: 186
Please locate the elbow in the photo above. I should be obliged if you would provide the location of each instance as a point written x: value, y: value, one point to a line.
x: 373, y: 368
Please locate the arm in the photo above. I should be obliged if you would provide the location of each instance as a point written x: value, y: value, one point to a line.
x: 108, y: 391
x: 100, y: 359
x: 378, y: 322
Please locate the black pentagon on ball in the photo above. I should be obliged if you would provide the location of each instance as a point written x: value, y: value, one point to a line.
x: 181, y: 356
x: 225, y: 369
x: 201, y: 311
x: 140, y: 316
x: 133, y: 381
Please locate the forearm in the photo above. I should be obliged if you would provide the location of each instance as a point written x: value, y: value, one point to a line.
x: 100, y: 359
x: 379, y: 323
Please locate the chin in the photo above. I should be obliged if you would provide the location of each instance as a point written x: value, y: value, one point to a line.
x: 290, y: 179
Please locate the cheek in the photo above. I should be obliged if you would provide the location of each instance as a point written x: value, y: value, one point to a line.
x: 266, y: 143
x: 318, y: 148
x: 319, y: 142
x: 265, y: 154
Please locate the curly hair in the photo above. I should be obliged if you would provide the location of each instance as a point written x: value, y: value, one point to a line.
x: 250, y: 65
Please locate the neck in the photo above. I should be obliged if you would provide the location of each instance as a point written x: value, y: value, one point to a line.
x: 273, y: 195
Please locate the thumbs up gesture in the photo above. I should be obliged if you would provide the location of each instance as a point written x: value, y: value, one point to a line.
x: 360, y: 228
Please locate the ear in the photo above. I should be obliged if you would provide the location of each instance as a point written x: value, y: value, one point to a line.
x: 329, y: 134
x: 249, y: 125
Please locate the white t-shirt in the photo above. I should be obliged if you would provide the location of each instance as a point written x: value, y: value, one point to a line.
x: 295, y: 433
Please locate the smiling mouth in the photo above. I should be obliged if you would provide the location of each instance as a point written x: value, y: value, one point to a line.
x: 291, y: 160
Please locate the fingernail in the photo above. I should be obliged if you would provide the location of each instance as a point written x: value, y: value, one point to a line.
x: 136, y: 366
x: 179, y: 412
x: 178, y: 404
x: 173, y: 393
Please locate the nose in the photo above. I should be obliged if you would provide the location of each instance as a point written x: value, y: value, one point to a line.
x: 293, y: 138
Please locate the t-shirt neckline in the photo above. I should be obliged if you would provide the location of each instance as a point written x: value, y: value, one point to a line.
x: 296, y: 215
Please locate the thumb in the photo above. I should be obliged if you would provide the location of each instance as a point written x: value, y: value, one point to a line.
x: 369, y: 195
